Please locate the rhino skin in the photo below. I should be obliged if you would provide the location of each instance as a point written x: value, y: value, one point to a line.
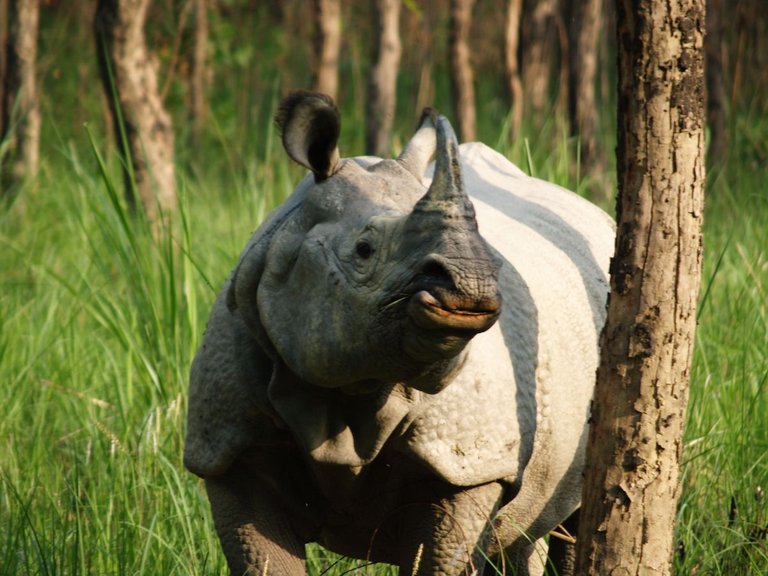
x: 381, y: 378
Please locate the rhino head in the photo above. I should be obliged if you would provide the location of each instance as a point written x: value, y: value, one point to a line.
x: 365, y: 276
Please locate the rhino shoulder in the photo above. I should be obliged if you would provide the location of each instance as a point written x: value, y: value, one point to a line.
x: 480, y: 427
x: 228, y: 411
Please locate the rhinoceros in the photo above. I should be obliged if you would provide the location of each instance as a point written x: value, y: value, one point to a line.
x: 401, y: 364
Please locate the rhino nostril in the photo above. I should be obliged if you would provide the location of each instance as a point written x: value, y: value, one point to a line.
x: 436, y: 271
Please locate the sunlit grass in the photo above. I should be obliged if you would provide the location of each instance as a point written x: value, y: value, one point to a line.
x: 99, y: 323
x: 723, y: 518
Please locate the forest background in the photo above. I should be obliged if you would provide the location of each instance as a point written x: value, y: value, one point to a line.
x: 100, y: 315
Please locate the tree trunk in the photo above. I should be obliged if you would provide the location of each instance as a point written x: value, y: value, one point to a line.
x: 638, y: 412
x: 20, y: 106
x: 142, y: 126
x: 199, y: 67
x: 423, y: 26
x: 3, y: 67
x: 538, y: 41
x: 583, y: 31
x: 327, y: 46
x: 383, y: 78
x: 462, y: 77
x: 514, y: 84
x: 716, y: 98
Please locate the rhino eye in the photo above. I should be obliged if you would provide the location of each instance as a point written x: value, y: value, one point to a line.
x: 364, y: 249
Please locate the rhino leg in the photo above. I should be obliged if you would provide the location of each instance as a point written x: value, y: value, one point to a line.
x: 255, y: 534
x: 520, y: 560
x: 562, y: 553
x: 448, y: 537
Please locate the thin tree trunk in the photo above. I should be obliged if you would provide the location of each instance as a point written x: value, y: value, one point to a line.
x: 511, y: 67
x: 197, y: 85
x: 638, y: 413
x: 327, y: 46
x: 538, y: 41
x: 423, y: 54
x: 383, y: 78
x: 462, y: 77
x: 716, y: 98
x: 3, y: 63
x: 142, y: 126
x: 20, y: 106
x: 584, y: 31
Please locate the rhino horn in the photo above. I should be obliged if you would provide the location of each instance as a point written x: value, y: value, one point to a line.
x: 310, y: 125
x: 446, y: 196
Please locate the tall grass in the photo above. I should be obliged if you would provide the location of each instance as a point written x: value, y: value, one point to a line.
x: 99, y: 323
x: 100, y: 318
x: 723, y: 519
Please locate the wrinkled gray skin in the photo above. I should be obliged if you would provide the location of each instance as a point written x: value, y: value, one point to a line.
x: 378, y: 377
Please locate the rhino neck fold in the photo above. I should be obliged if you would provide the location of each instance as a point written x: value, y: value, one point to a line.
x: 334, y: 428
x: 438, y: 375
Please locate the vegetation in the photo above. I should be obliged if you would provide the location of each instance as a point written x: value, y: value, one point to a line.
x: 100, y: 318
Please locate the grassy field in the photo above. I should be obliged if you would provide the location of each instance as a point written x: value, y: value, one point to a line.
x: 99, y: 322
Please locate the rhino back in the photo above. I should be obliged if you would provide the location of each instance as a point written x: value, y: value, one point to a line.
x: 228, y: 408
x: 526, y: 384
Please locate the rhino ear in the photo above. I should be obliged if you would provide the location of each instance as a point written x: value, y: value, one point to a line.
x: 421, y: 147
x: 310, y: 124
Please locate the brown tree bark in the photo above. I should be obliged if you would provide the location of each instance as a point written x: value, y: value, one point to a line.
x: 20, y: 108
x: 3, y: 60
x: 383, y: 77
x: 422, y: 54
x: 539, y: 35
x: 584, y: 31
x: 638, y: 412
x: 511, y: 67
x: 462, y: 76
x: 716, y: 96
x: 327, y: 46
x: 199, y: 70
x: 382, y: 83
x: 143, y: 127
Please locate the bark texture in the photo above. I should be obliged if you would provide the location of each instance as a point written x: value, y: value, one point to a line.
x: 538, y: 42
x: 383, y: 79
x: 635, y: 440
x: 199, y: 68
x: 511, y: 67
x: 3, y: 60
x: 20, y: 107
x: 584, y: 31
x: 327, y: 46
x: 462, y: 76
x: 128, y: 72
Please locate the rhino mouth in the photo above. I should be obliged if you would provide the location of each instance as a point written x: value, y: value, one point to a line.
x: 438, y: 309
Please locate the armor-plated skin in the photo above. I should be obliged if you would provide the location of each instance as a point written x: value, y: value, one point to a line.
x: 400, y: 368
